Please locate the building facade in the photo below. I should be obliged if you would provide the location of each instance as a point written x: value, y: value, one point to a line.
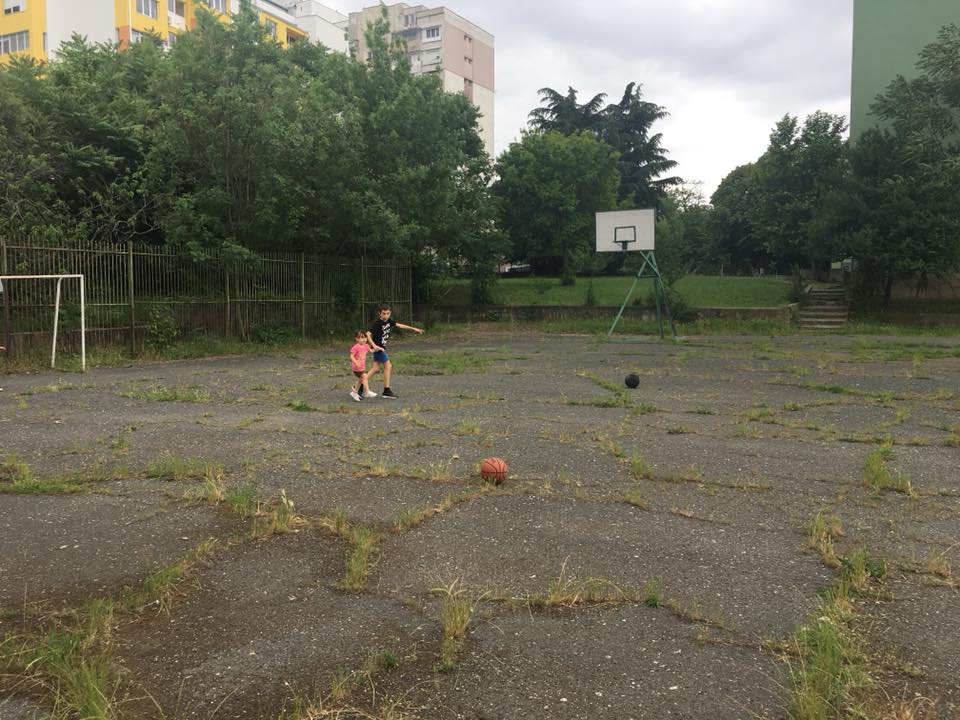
x: 38, y: 27
x: 439, y: 41
x: 322, y: 24
x: 888, y: 36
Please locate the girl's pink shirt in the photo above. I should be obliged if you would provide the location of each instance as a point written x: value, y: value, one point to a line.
x: 358, y: 357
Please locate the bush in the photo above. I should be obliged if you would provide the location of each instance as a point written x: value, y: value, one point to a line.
x: 162, y: 328
x: 680, y: 309
x: 273, y: 333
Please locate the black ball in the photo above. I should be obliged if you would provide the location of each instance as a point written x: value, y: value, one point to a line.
x: 632, y: 380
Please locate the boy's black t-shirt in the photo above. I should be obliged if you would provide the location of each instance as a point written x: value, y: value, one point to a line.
x: 380, y: 331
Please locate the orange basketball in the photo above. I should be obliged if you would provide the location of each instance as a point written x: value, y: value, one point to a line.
x: 493, y: 470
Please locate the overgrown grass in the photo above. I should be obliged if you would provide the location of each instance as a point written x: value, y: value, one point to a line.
x: 17, y: 478
x: 697, y: 290
x: 831, y: 663
x: 178, y: 469
x: 68, y: 661
x: 878, y: 475
x: 456, y: 609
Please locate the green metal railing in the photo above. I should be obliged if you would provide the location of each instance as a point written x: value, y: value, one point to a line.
x: 128, y: 284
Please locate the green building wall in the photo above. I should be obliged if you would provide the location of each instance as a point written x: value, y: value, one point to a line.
x: 888, y: 36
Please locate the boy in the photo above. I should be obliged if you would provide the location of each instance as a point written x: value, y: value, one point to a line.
x: 378, y: 335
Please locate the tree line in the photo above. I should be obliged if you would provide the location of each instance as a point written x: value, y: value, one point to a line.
x: 226, y: 143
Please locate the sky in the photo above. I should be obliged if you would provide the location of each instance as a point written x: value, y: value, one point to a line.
x: 724, y: 70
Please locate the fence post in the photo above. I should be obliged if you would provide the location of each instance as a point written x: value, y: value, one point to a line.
x: 226, y: 285
x: 7, y: 332
x: 130, y: 291
x: 303, y: 296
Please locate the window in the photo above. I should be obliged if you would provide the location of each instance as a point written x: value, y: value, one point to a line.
x: 409, y: 20
x: 218, y: 5
x: 135, y: 36
x: 171, y: 39
x: 14, y: 6
x: 15, y: 42
x: 177, y: 7
x: 147, y: 7
x: 433, y: 32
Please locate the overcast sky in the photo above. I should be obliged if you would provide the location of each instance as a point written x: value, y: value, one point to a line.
x: 725, y: 70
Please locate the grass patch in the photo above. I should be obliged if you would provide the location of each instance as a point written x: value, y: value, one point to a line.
x: 68, y: 661
x: 364, y: 547
x: 211, y: 490
x: 456, y: 609
x: 877, y: 474
x: 275, y: 520
x: 243, y: 499
x: 300, y: 406
x: 446, y: 362
x: 569, y: 591
x: 409, y: 518
x: 831, y: 665
x: 640, y: 469
x: 697, y: 290
x: 16, y: 478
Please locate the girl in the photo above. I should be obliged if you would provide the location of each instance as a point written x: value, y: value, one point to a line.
x: 358, y: 363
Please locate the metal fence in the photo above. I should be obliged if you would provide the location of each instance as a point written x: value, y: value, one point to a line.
x: 135, y: 290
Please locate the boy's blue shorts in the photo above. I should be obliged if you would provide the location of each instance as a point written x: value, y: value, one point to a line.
x: 380, y: 356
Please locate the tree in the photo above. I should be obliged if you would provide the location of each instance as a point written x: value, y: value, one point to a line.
x: 643, y: 161
x: 896, y: 210
x: 550, y: 187
x: 765, y: 210
x: 625, y: 126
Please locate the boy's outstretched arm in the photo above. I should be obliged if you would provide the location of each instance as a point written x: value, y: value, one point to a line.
x: 410, y: 327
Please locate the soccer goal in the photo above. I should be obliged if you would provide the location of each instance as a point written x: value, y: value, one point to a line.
x: 7, y: 282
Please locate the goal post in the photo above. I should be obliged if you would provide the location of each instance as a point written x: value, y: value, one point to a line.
x: 5, y: 283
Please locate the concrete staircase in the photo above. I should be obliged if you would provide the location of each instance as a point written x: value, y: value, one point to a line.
x: 825, y: 309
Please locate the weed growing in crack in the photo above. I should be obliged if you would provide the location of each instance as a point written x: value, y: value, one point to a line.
x: 159, y: 585
x: 68, y: 659
x: 243, y: 500
x: 364, y: 546
x: 276, y: 521
x: 640, y: 469
x: 821, y: 533
x: 652, y: 593
x: 879, y: 476
x: 831, y: 662
x: 636, y: 499
x: 178, y: 469
x: 456, y: 609
x: 212, y: 490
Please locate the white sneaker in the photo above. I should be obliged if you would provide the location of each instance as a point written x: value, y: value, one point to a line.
x: 369, y: 393
x: 355, y: 395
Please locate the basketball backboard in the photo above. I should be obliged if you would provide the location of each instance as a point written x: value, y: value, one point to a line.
x: 621, y: 230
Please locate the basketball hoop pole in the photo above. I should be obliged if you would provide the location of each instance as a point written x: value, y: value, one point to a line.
x: 649, y: 261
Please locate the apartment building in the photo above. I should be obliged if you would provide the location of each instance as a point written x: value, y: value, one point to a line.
x: 888, y: 36
x: 38, y: 27
x: 439, y: 41
x: 322, y: 24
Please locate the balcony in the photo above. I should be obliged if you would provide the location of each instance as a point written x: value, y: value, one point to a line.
x: 176, y: 21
